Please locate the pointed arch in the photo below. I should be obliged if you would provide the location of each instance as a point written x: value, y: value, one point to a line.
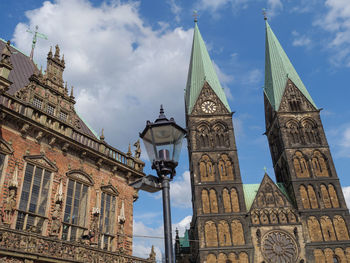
x: 340, y: 228
x: 319, y: 256
x: 234, y: 200
x: 222, y: 258
x: 325, y: 196
x: 221, y: 137
x: 203, y: 135
x: 237, y: 233
x: 211, y: 258
x: 225, y: 166
x: 205, y: 201
x: 213, y: 201
x: 310, y: 131
x: 224, y: 234
x: 333, y: 195
x: 282, y: 217
x: 293, y: 130
x: 312, y: 196
x: 243, y: 257
x: 319, y: 164
x: 304, y: 197
x: 314, y: 229
x: 226, y: 200
x: 273, y: 217
x: 206, y: 169
x: 327, y: 229
x: 211, y: 235
x: 300, y: 165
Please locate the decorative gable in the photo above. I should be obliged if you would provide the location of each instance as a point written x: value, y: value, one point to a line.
x: 110, y: 189
x: 81, y: 176
x: 5, y: 147
x: 208, y: 103
x: 293, y: 100
x: 41, y: 160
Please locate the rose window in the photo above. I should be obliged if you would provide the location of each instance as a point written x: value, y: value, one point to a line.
x: 279, y: 247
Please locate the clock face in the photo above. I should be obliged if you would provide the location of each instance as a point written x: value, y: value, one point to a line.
x: 208, y: 106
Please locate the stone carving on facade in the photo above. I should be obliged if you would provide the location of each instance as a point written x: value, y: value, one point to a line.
x: 279, y: 246
x: 11, y: 200
x: 121, y: 232
x: 56, y: 215
x: 6, y: 53
x: 137, y: 149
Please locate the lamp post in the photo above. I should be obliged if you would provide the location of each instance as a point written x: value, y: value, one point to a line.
x: 163, y: 140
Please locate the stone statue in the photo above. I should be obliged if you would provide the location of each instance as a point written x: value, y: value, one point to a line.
x: 138, y: 149
x: 10, y: 206
x: 6, y: 53
x: 152, y: 255
x: 56, y: 222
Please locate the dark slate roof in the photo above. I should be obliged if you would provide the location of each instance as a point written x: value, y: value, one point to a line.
x: 23, y: 68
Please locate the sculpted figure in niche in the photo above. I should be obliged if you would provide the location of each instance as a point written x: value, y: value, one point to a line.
x: 304, y: 197
x: 237, y: 233
x: 224, y: 234
x: 234, y: 200
x: 312, y: 196
x: 319, y: 165
x: 213, y: 201
x: 211, y: 235
x: 10, y: 206
x: 203, y: 137
x: 314, y: 229
x: 327, y: 229
x: 225, y: 168
x: 340, y: 228
x: 205, y: 201
x: 333, y: 196
x: 319, y: 256
x: 206, y: 169
x: 211, y: 258
x: 325, y: 196
x: 300, y: 165
x: 226, y: 200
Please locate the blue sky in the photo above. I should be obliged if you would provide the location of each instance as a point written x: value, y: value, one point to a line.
x: 125, y: 58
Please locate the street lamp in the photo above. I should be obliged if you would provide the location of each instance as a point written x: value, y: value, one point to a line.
x: 163, y: 140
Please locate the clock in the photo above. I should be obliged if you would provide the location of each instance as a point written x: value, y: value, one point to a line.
x: 208, y: 106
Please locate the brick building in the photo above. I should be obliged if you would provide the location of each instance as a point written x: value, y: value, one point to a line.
x: 64, y: 192
x: 302, y: 217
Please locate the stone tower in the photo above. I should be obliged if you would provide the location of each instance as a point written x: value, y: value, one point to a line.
x: 219, y: 209
x: 301, y: 158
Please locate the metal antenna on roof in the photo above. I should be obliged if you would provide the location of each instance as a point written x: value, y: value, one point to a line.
x: 36, y: 34
x: 264, y: 13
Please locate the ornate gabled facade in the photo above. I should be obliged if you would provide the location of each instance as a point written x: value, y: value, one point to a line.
x: 302, y: 217
x: 64, y: 192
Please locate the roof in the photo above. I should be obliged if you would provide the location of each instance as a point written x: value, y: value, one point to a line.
x: 201, y: 69
x: 278, y: 69
x: 185, y: 241
x: 23, y: 68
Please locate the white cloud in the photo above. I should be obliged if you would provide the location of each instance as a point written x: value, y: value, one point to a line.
x: 337, y: 22
x: 213, y: 6
x: 300, y: 40
x: 274, y: 6
x: 175, y: 9
x: 119, y: 66
x: 254, y: 76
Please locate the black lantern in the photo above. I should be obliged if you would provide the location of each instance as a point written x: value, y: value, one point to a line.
x: 163, y: 141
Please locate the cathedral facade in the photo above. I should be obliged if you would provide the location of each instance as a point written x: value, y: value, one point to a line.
x: 302, y: 217
x: 64, y: 191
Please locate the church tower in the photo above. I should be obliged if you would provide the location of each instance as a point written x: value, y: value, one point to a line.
x: 218, y: 223
x: 301, y: 158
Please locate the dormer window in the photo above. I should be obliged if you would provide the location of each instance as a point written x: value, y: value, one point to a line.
x: 50, y: 109
x: 38, y: 103
x: 63, y: 116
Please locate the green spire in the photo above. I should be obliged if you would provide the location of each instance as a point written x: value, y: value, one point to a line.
x: 201, y: 69
x: 278, y: 69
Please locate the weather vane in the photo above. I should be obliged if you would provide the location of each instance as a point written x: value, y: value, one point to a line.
x: 264, y: 13
x: 36, y: 34
x: 195, y: 15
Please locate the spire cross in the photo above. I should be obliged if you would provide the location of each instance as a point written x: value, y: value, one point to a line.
x: 36, y: 34
x: 265, y: 169
x: 195, y: 15
x: 264, y: 13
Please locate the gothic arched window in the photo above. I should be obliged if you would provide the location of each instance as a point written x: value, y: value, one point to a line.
x: 314, y: 229
x: 300, y: 165
x: 203, y: 136
x: 213, y: 201
x: 234, y: 200
x: 312, y: 196
x: 293, y: 132
x: 211, y: 235
x: 333, y: 195
x: 340, y: 228
x: 224, y: 234
x: 327, y: 229
x: 226, y: 200
x: 225, y: 168
x: 206, y: 169
x: 310, y: 131
x: 221, y: 138
x: 319, y: 165
x: 325, y: 196
x: 237, y: 233
x: 205, y: 201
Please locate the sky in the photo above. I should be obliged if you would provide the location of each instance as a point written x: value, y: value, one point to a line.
x: 125, y: 58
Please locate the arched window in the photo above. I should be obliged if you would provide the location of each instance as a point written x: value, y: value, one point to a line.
x: 327, y: 229
x: 225, y: 168
x: 206, y: 169
x: 325, y: 196
x: 319, y: 165
x: 221, y: 136
x: 213, y: 201
x: 211, y: 235
x: 205, y: 201
x: 300, y: 165
x: 314, y: 229
x: 234, y: 200
x: 224, y: 234
x: 211, y: 258
x: 237, y: 233
x: 340, y: 228
x: 203, y: 136
x: 226, y: 200
x: 293, y: 132
x: 75, y: 217
x: 333, y: 195
x: 304, y: 197
x: 222, y: 258
x: 312, y: 196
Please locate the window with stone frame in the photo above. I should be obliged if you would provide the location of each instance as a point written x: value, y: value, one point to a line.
x: 38, y: 103
x: 75, y: 215
x: 63, y: 115
x: 107, y: 219
x: 34, y: 198
x: 50, y: 109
